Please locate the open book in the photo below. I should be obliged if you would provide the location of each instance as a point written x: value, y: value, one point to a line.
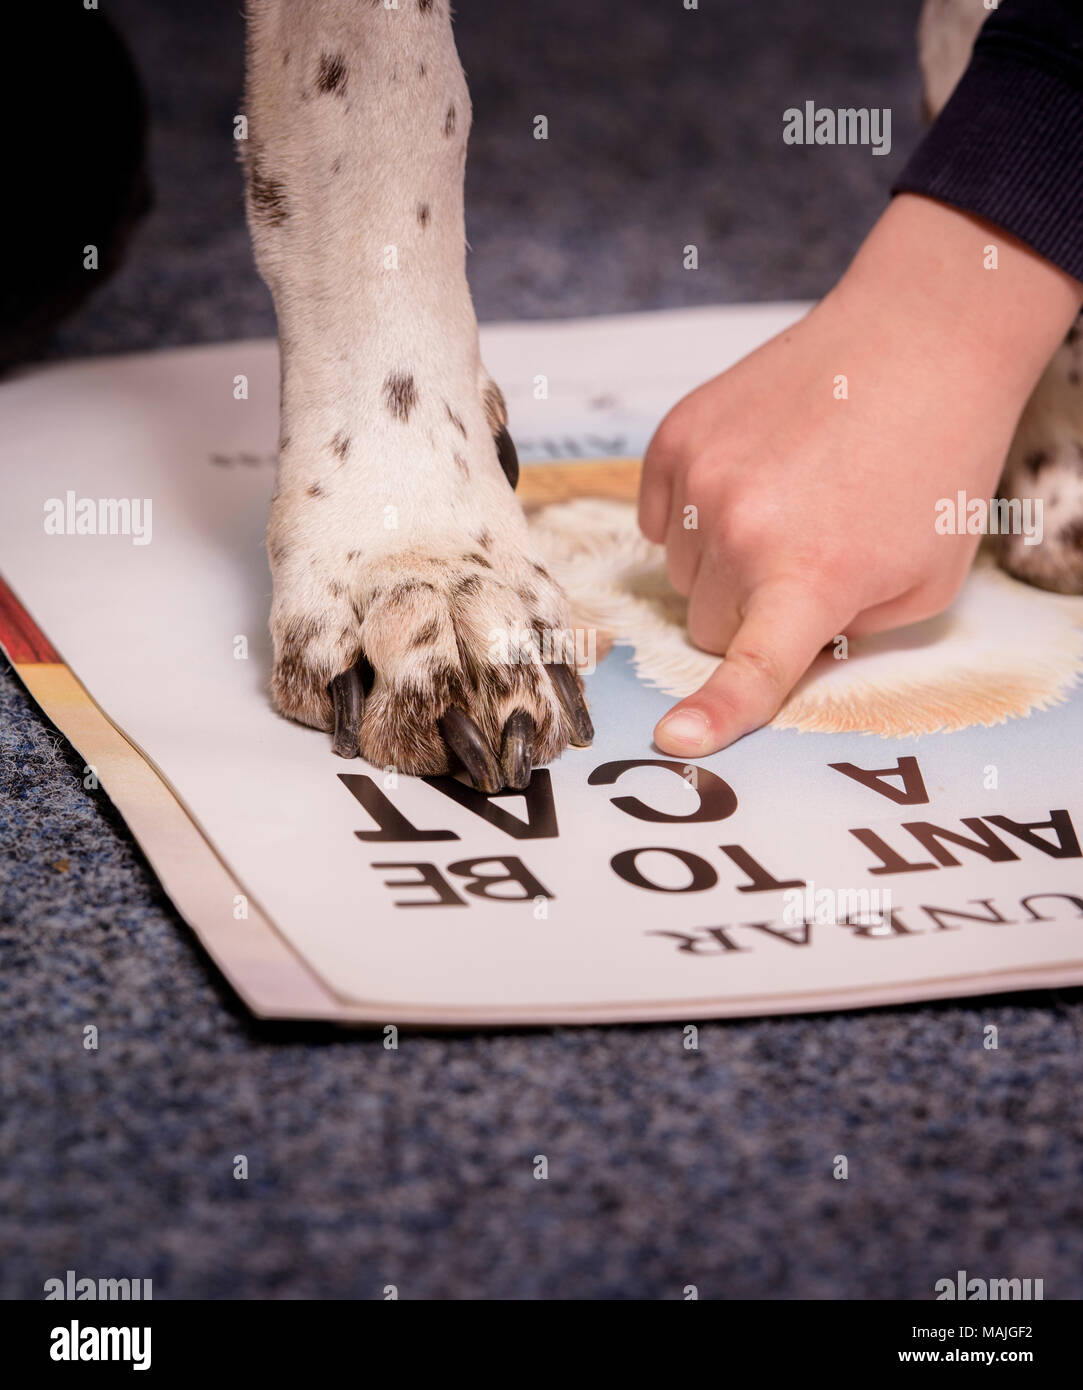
x: 907, y: 828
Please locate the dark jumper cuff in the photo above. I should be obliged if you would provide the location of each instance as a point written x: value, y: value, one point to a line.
x: 1008, y: 147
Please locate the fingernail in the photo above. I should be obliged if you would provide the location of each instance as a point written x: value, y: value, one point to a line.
x: 689, y: 729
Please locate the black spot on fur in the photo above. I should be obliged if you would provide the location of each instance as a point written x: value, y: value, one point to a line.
x: 335, y: 589
x: 466, y: 587
x: 400, y: 395
x: 283, y: 444
x: 484, y: 539
x: 336, y: 168
x: 455, y: 420
x: 461, y: 465
x: 403, y: 590
x: 429, y: 633
x: 1072, y: 534
x: 507, y: 456
x: 268, y: 197
x: 501, y: 682
x: 340, y: 445
x: 294, y: 674
x: 332, y: 74
x: 1035, y: 462
x: 423, y: 215
x: 424, y: 6
x: 449, y: 121
x: 476, y: 558
x: 447, y: 688
x: 302, y: 631
x: 315, y: 490
x: 528, y: 596
x: 540, y: 569
x: 352, y: 554
x: 421, y: 69
x: 496, y: 409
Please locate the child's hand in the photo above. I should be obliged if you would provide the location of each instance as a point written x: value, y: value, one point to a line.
x: 791, y: 515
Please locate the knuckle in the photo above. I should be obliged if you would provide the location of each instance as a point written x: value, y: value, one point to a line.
x: 703, y: 636
x: 747, y: 524
x: 833, y: 565
x: 667, y: 446
x: 690, y: 489
x: 725, y: 710
x: 761, y: 664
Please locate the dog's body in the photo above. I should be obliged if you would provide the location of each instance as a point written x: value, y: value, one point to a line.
x: 403, y: 568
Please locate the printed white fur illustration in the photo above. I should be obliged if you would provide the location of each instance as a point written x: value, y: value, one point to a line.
x: 1001, y: 651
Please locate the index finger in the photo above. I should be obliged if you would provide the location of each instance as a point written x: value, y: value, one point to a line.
x: 784, y: 627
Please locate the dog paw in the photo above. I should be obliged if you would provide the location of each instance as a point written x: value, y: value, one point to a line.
x: 436, y: 663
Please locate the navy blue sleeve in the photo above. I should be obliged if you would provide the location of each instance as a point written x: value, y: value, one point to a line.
x: 1008, y: 146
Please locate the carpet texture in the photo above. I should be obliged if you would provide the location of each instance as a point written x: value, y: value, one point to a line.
x: 415, y: 1168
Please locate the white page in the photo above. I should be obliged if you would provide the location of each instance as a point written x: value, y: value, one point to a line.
x: 150, y: 631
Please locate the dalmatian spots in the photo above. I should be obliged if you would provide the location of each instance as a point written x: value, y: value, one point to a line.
x: 267, y: 196
x: 397, y: 548
x: 332, y: 74
x: 400, y: 395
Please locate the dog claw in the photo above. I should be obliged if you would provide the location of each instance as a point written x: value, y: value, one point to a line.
x: 571, y: 697
x: 348, y: 696
x: 517, y: 750
x: 509, y: 458
x: 467, y: 742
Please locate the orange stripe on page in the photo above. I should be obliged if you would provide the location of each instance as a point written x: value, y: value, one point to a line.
x: 20, y: 635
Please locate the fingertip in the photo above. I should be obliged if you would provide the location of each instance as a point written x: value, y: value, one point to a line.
x: 686, y: 732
